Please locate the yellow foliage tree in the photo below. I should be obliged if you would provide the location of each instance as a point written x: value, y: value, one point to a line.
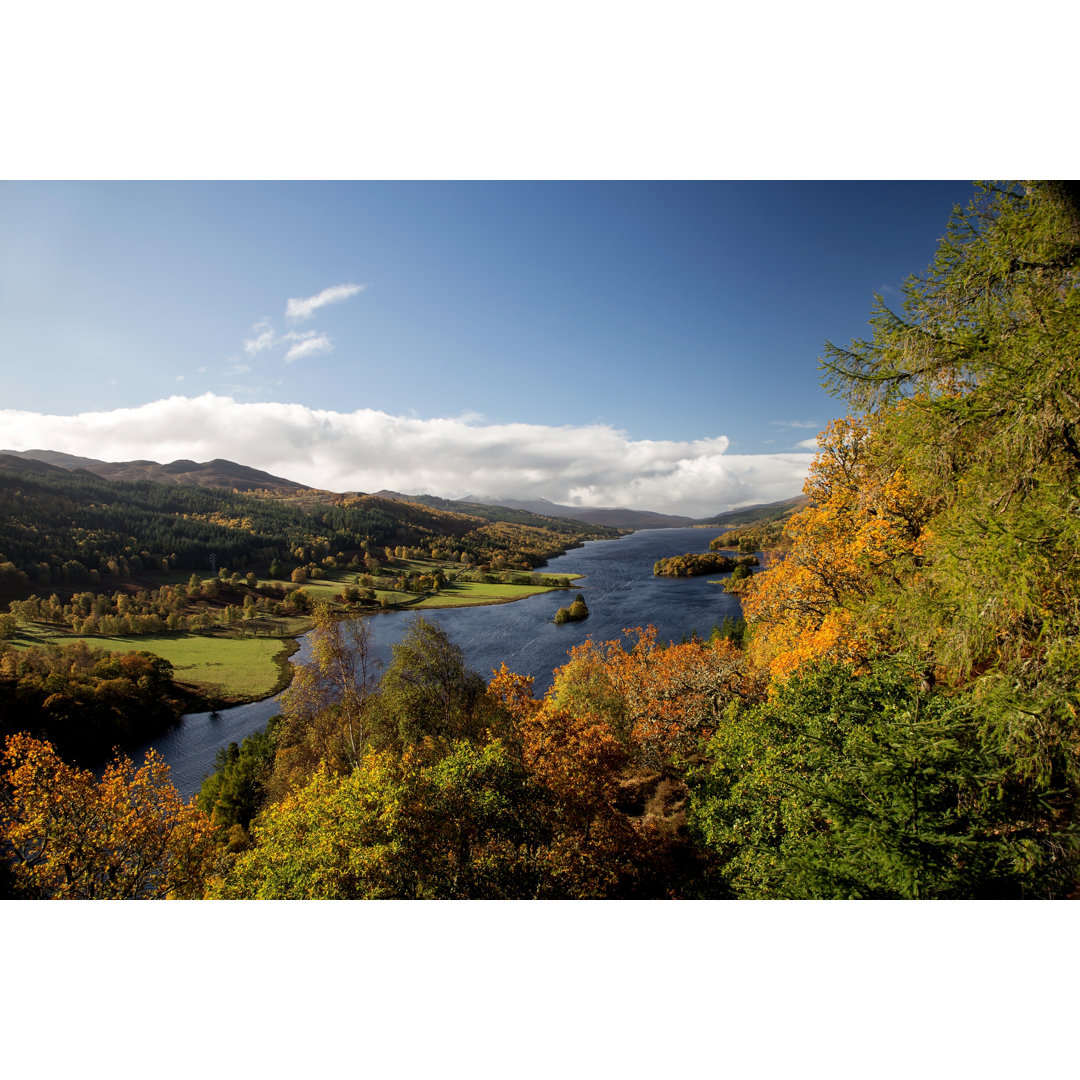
x: 68, y: 836
x: 865, y: 528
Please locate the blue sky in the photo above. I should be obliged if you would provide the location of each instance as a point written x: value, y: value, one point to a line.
x: 553, y: 329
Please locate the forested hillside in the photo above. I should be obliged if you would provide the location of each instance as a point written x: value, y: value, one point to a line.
x: 60, y: 527
x: 899, y: 720
x: 758, y: 515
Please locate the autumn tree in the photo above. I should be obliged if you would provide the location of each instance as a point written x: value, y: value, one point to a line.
x: 578, y: 759
x: 612, y: 718
x: 326, y: 709
x: 129, y: 836
x: 455, y: 822
x: 820, y: 596
x: 659, y: 700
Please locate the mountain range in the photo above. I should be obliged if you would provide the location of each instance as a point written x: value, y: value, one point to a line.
x: 232, y: 476
x: 218, y: 473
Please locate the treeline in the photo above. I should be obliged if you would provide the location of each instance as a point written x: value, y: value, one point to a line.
x: 750, y: 538
x: 223, y: 599
x: 241, y: 603
x: 709, y: 562
x: 85, y: 701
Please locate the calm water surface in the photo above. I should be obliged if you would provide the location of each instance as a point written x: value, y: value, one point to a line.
x: 618, y: 586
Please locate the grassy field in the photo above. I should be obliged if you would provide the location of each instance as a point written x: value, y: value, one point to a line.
x: 454, y: 594
x: 218, y: 666
x: 227, y: 668
x: 467, y: 593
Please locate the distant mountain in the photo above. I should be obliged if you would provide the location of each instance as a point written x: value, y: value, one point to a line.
x: 498, y: 512
x: 218, y: 473
x: 617, y: 517
x: 23, y: 466
x: 752, y: 515
x: 66, y: 529
x: 55, y: 458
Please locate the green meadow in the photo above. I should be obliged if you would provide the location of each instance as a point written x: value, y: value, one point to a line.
x: 218, y: 666
x: 453, y: 594
x: 467, y: 593
x: 249, y: 661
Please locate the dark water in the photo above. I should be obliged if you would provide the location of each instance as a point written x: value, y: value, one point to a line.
x: 619, y: 588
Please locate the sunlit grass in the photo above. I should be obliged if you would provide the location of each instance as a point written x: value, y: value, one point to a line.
x: 466, y: 593
x: 228, y: 666
x: 453, y: 594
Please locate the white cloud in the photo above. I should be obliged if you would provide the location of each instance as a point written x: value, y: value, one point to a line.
x: 808, y: 444
x: 367, y: 450
x: 239, y: 369
x: 303, y: 308
x: 298, y: 344
x: 265, y: 338
x: 796, y: 424
x: 309, y: 344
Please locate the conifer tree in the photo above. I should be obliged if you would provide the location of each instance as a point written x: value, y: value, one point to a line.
x: 978, y: 380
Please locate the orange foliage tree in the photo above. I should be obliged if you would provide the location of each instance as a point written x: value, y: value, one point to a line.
x: 864, y: 529
x: 575, y: 757
x: 611, y: 712
x: 660, y: 700
x: 66, y: 835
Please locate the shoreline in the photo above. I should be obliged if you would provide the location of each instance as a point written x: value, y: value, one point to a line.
x: 210, y: 696
x: 206, y: 701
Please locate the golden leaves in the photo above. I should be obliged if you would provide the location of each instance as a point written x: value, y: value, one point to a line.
x: 866, y: 524
x: 127, y: 836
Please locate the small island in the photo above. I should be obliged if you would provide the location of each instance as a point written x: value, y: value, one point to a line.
x: 709, y: 562
x: 577, y: 611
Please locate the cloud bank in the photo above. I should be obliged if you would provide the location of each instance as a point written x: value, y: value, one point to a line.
x: 366, y: 450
